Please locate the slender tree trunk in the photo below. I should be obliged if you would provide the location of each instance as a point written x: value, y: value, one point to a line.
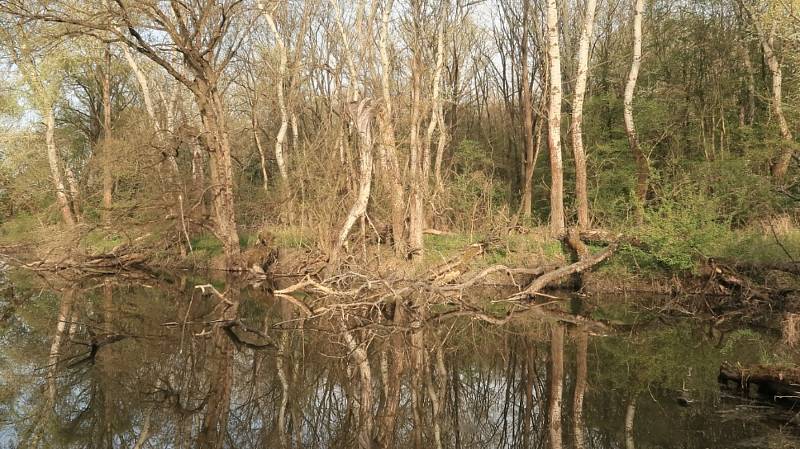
x: 557, y: 221
x: 751, y: 84
x: 261, y: 152
x: 363, y: 119
x: 108, y: 180
x: 436, y: 102
x: 581, y: 194
x: 390, y: 164
x: 642, y: 165
x: 416, y: 180
x: 556, y: 385
x: 781, y: 165
x: 527, y: 116
x: 55, y: 167
x: 280, y: 139
x: 74, y: 191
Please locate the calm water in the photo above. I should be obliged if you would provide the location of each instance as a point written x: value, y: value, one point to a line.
x: 155, y: 364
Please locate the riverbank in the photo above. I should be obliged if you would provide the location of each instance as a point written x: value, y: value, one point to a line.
x: 646, y: 261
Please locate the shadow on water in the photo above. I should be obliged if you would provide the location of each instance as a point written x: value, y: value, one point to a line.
x: 159, y: 364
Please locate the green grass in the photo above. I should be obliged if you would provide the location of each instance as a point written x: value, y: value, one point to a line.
x: 754, y: 247
x: 292, y: 238
x: 98, y: 242
x: 23, y: 228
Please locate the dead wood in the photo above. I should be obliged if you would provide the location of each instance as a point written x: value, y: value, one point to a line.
x: 548, y: 278
x: 773, y: 382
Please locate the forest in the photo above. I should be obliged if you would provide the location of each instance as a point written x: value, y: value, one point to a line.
x: 399, y: 223
x: 196, y: 130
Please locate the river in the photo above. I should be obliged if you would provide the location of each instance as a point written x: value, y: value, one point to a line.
x: 155, y: 363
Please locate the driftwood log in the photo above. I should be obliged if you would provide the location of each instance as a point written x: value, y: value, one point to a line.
x: 778, y: 384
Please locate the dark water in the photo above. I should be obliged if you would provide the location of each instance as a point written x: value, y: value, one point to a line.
x: 155, y: 364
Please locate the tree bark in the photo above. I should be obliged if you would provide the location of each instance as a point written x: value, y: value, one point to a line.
x: 557, y: 221
x: 280, y: 139
x: 363, y: 119
x: 215, y: 138
x: 108, y: 180
x: 642, y: 165
x: 527, y: 115
x: 391, y: 166
x: 581, y: 194
x: 781, y: 165
x: 55, y: 167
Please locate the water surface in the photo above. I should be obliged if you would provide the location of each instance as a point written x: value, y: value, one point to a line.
x: 114, y: 363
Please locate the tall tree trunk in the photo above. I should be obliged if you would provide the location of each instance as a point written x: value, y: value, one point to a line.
x: 391, y: 166
x: 363, y: 119
x: 751, y: 84
x: 557, y: 221
x: 556, y: 385
x: 416, y: 180
x: 108, y: 181
x: 215, y: 138
x: 781, y: 165
x: 527, y: 116
x: 581, y: 194
x: 55, y: 167
x: 261, y: 152
x: 280, y: 139
x: 642, y: 165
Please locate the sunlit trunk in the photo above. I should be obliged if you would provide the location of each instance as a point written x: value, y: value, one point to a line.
x: 642, y: 164
x: 557, y: 220
x: 55, y: 167
x: 581, y: 194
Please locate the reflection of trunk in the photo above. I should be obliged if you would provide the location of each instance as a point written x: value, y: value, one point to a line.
x: 392, y: 365
x: 220, y: 374
x: 642, y: 165
x: 556, y: 385
x: 577, y: 116
x: 580, y: 388
x: 363, y: 119
x: 55, y: 166
x: 436, y: 392
x: 359, y: 354
x: 417, y: 366
x: 554, y: 123
x: 630, y: 415
x: 55, y: 348
x: 280, y: 359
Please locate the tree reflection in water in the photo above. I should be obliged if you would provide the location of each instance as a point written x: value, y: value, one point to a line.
x: 117, y: 365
